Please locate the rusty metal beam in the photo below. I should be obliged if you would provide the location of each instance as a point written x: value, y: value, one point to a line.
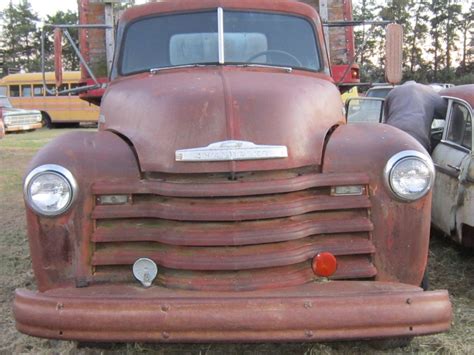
x: 237, y: 209
x: 231, y: 258
x: 219, y: 234
x: 194, y: 187
x: 313, y: 312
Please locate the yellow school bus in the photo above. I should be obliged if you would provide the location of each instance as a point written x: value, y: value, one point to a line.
x: 26, y: 91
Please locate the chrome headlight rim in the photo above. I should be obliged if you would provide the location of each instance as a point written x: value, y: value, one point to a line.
x: 397, y: 159
x: 54, y: 169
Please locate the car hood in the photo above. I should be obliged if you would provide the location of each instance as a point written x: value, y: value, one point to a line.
x: 190, y: 108
x: 10, y: 111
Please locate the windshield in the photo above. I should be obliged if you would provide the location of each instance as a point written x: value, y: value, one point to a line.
x: 193, y: 38
x: 4, y: 102
x: 381, y: 93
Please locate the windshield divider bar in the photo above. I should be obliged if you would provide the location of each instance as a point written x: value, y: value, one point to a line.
x: 220, y: 30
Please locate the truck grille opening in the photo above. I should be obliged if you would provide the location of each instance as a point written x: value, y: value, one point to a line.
x: 217, y: 234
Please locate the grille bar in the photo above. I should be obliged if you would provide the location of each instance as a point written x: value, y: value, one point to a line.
x: 230, y: 233
x: 235, y: 209
x: 285, y: 276
x: 193, y: 188
x: 232, y: 258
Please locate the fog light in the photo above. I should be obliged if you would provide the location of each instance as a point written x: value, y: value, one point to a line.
x: 145, y: 271
x: 355, y: 190
x: 113, y: 199
x: 324, y: 264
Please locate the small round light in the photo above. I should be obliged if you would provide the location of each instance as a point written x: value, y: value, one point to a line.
x: 324, y: 264
x: 50, y: 189
x: 409, y: 175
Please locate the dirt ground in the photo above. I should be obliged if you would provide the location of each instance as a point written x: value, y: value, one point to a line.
x: 450, y: 267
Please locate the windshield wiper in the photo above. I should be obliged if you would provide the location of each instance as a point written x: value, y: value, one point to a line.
x: 157, y: 70
x: 252, y: 65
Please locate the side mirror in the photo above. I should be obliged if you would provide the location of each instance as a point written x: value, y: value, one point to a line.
x: 364, y: 110
x: 393, y: 53
x: 58, y: 56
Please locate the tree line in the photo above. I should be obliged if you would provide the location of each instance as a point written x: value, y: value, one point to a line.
x: 438, y: 39
x: 20, y: 43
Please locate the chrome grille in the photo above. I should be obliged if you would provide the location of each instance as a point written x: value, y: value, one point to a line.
x: 21, y: 120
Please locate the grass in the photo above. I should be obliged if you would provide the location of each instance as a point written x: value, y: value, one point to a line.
x: 450, y: 267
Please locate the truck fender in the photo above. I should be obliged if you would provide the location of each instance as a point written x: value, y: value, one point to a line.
x: 401, y: 230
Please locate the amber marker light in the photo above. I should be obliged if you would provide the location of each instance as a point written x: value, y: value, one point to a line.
x: 324, y: 264
x: 355, y: 73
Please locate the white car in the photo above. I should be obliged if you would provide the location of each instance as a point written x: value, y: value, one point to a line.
x: 453, y: 193
x: 15, y: 119
x: 452, y: 141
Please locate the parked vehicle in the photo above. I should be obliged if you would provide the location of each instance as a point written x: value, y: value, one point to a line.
x: 451, y: 140
x: 224, y: 198
x: 380, y: 91
x: 453, y: 196
x: 26, y: 91
x: 2, y: 126
x: 15, y: 119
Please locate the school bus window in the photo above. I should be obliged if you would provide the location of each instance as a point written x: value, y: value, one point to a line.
x: 77, y: 85
x: 14, y: 90
x: 51, y: 88
x: 3, y: 90
x: 26, y: 91
x: 38, y: 90
x: 62, y: 88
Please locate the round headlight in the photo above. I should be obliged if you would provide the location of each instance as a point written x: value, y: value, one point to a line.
x: 409, y: 175
x: 50, y: 189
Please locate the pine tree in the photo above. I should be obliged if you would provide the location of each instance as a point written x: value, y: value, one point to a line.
x: 70, y: 58
x: 467, y: 28
x: 399, y: 11
x: 416, y: 38
x: 20, y: 36
x: 453, y: 24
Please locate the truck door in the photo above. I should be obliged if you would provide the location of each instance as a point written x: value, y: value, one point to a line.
x: 452, y: 157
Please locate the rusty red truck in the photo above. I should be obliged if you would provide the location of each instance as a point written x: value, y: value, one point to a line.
x: 224, y: 197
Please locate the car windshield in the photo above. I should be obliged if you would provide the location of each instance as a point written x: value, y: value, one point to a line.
x: 4, y: 102
x: 381, y: 93
x: 196, y: 38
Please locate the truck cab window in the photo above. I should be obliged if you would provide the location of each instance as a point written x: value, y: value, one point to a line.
x: 192, y: 38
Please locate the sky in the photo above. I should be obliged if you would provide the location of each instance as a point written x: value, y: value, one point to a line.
x: 49, y: 7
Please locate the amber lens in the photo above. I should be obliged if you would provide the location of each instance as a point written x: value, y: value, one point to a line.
x: 324, y: 264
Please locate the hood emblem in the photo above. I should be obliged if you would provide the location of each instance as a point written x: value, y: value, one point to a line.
x: 232, y: 150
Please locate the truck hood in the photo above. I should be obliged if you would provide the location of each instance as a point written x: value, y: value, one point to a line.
x: 195, y: 107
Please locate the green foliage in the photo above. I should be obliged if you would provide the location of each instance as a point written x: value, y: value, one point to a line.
x: 437, y: 39
x: 70, y: 59
x: 20, y: 36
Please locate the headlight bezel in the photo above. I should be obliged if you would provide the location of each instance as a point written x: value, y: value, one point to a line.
x: 59, y: 171
x: 395, y: 160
